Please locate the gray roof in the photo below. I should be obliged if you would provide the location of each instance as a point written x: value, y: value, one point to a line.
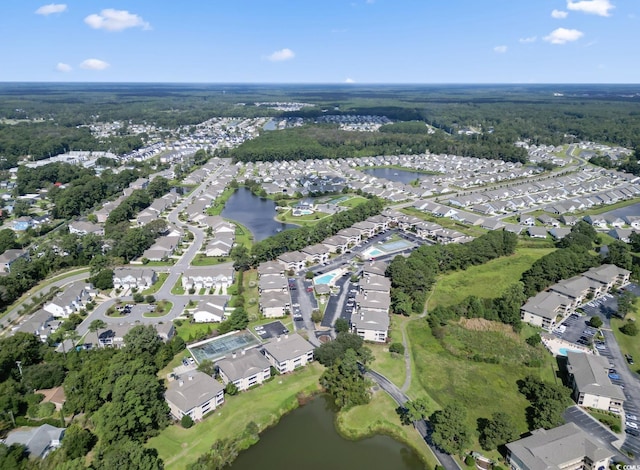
x: 192, y: 389
x: 606, y: 273
x: 375, y: 267
x: 36, y: 440
x: 554, y: 448
x: 591, y: 375
x: 243, y: 365
x: 270, y: 267
x: 370, y: 320
x: 545, y: 304
x: 286, y: 348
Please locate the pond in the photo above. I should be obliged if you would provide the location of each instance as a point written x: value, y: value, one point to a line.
x: 394, y: 174
x: 254, y: 213
x: 307, y: 438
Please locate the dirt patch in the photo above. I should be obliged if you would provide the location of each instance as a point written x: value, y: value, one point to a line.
x: 324, y: 338
x: 480, y: 324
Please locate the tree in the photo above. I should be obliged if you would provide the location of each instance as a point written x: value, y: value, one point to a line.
x: 345, y: 382
x: 186, y: 421
x: 626, y: 300
x: 328, y: 353
x: 316, y: 316
x: 309, y: 275
x: 341, y: 325
x: 534, y: 340
x: 397, y: 348
x: 231, y: 389
x: 450, y: 431
x: 149, y: 299
x: 548, y: 402
x: 44, y: 375
x: 414, y: 410
x: 77, y: 441
x: 497, y: 431
x: 208, y: 367
x: 630, y: 328
x: 8, y: 240
x: 95, y: 326
x: 142, y: 341
x: 595, y: 322
x: 103, y: 280
x: 127, y: 454
x: 138, y: 297
x: 619, y: 255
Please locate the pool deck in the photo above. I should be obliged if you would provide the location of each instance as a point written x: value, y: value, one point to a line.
x: 554, y: 345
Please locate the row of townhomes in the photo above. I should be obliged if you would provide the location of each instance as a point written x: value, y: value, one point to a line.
x: 195, y: 393
x: 370, y: 317
x: 551, y: 307
x: 273, y: 289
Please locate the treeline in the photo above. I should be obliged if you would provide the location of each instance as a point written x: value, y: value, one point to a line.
x: 412, y: 277
x: 573, y: 257
x: 296, y: 239
x: 328, y: 141
x: 41, y: 140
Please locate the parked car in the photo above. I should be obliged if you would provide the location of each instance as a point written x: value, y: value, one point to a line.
x: 629, y: 358
x: 632, y: 417
x: 633, y: 432
x: 614, y: 376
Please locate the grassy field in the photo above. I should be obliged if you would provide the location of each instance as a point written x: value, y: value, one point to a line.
x: 481, y: 388
x: 392, y: 366
x: 628, y: 344
x: 218, y: 204
x: 380, y: 417
x: 203, y: 260
x: 488, y: 280
x: 162, y: 308
x: 308, y: 219
x: 243, y: 235
x: 156, y: 287
x: 177, y: 289
x: 264, y: 405
x: 189, y: 331
x: 352, y: 202
x: 611, y: 420
x: 250, y: 278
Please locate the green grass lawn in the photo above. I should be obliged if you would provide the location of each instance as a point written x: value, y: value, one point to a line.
x: 487, y: 280
x: 251, y: 296
x: 171, y: 262
x: 353, y: 201
x: 162, y: 308
x: 178, y: 289
x: 481, y: 388
x: 189, y: 331
x: 158, y: 284
x: 308, y: 219
x: 380, y: 417
x: 611, y: 420
x: 390, y: 365
x: 243, y: 235
x: 264, y: 406
x: 218, y: 204
x: 628, y: 344
x: 202, y: 260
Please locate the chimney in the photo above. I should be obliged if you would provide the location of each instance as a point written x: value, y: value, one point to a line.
x: 286, y: 335
x: 181, y: 383
x: 190, y: 377
x: 244, y: 351
x: 233, y: 355
x: 278, y: 338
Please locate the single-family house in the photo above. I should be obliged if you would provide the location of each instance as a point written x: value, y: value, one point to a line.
x: 81, y: 227
x: 244, y: 370
x: 194, y: 394
x: 128, y: 278
x: 38, y: 441
x: 11, y: 256
x: 210, y: 310
x: 41, y: 323
x: 558, y: 233
x: 597, y: 221
x: 589, y: 379
x: 537, y: 232
x: 563, y: 448
x: 287, y: 353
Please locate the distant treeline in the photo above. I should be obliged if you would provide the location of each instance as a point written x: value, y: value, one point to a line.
x: 328, y: 141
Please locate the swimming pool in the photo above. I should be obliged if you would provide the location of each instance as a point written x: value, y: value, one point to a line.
x: 327, y: 278
x: 373, y: 252
x: 563, y: 351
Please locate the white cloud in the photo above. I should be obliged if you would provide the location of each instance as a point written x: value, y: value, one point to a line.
x: 592, y: 7
x: 528, y: 40
x: 563, y: 36
x: 281, y: 55
x: 94, y: 64
x: 51, y: 8
x: 62, y: 67
x: 559, y: 14
x: 349, y: 80
x: 116, y: 20
x: 500, y: 49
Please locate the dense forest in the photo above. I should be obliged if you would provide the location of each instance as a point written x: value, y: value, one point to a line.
x: 42, y: 119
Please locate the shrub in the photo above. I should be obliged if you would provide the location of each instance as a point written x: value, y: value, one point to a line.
x: 149, y: 299
x: 231, y: 389
x: 138, y: 297
x: 186, y: 422
x: 629, y: 329
x: 397, y: 348
x: 469, y: 461
x: 595, y: 322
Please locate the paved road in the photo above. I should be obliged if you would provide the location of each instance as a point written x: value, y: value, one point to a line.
x: 422, y: 427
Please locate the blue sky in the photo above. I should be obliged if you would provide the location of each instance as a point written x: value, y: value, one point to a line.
x: 321, y: 41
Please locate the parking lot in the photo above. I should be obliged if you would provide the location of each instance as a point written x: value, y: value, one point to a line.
x: 271, y: 330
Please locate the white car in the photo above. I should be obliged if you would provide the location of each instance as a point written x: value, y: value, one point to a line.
x: 631, y: 424
x: 632, y: 417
